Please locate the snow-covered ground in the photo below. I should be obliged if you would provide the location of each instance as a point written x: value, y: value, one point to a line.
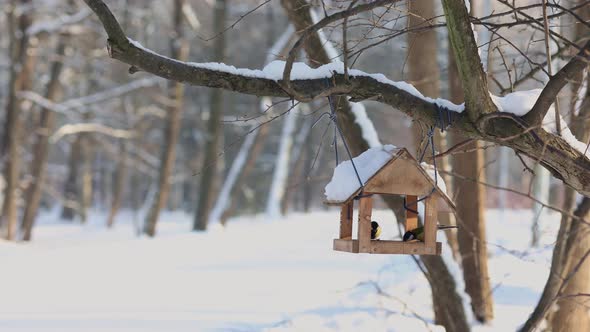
x: 257, y: 274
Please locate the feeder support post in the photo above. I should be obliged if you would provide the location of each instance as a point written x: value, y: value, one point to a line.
x: 364, y: 229
x: 411, y: 216
x: 430, y: 221
x: 346, y: 220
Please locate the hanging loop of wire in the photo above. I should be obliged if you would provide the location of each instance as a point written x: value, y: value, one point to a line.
x: 338, y: 131
x: 440, y: 123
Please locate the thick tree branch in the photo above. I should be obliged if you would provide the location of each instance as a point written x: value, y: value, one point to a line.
x: 549, y: 94
x: 473, y: 77
x: 313, y: 29
x: 556, y: 154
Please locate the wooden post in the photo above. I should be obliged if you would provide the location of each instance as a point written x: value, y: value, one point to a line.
x: 411, y: 217
x: 430, y: 221
x: 364, y: 229
x: 346, y: 220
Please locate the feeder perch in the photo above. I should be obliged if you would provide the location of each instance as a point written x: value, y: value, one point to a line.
x: 399, y: 174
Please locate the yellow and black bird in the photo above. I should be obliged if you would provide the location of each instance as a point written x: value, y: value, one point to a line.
x: 418, y: 233
x: 375, y: 230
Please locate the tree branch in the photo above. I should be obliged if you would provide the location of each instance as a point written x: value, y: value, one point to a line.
x: 473, y: 77
x: 555, y: 153
x: 321, y: 24
x: 549, y: 94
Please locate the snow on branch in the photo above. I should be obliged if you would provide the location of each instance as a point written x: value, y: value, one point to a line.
x: 71, y: 129
x: 303, y: 83
x: 81, y: 102
x: 319, y: 25
x: 566, y: 74
x: 59, y: 23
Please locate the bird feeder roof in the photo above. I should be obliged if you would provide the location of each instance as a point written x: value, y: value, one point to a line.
x: 386, y: 170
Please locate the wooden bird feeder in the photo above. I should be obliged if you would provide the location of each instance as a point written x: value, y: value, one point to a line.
x: 400, y: 175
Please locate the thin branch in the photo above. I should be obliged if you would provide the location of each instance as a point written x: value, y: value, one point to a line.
x: 321, y: 24
x: 556, y: 83
x: 231, y: 26
x: 549, y: 64
x: 71, y: 129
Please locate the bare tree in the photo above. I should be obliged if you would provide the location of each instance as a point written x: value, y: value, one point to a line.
x: 210, y: 165
x: 480, y: 119
x: 41, y: 147
x: 20, y: 79
x: 120, y: 180
x: 470, y: 201
x: 179, y: 49
x: 447, y: 304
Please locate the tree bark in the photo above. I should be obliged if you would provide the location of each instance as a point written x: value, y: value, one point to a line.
x: 72, y: 184
x: 448, y: 307
x: 210, y: 172
x: 179, y: 49
x: 572, y: 310
x: 120, y: 180
x: 567, y: 237
x: 41, y: 147
x: 20, y: 77
x: 470, y: 202
x: 478, y: 121
x: 424, y: 74
x: 572, y: 304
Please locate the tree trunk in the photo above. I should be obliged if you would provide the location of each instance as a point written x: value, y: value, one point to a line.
x: 424, y: 74
x: 448, y: 307
x: 210, y: 165
x: 120, y: 180
x: 470, y: 199
x: 567, y: 237
x: 72, y: 185
x: 257, y: 147
x: 179, y: 50
x: 41, y: 147
x: 572, y: 310
x: 244, y: 161
x: 279, y: 180
x: 297, y: 176
x: 224, y: 200
x: 572, y: 304
x: 20, y: 73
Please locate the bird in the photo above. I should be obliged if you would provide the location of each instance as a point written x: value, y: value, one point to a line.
x: 375, y: 230
x: 418, y: 233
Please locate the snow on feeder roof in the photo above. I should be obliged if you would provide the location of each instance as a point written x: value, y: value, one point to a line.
x: 386, y: 170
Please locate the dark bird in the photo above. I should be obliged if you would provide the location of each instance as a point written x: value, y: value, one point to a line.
x: 418, y: 233
x: 375, y: 230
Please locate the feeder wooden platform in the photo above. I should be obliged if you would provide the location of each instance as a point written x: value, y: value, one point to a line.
x: 401, y: 175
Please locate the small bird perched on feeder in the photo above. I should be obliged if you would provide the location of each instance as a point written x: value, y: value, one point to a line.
x: 418, y: 233
x: 375, y: 230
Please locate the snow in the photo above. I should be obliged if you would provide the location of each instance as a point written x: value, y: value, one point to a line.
x: 331, y: 51
x: 253, y: 275
x: 344, y: 181
x: 436, y: 178
x: 60, y: 22
x: 550, y: 126
x: 518, y: 103
x: 224, y: 199
x: 521, y: 102
x: 301, y: 71
x: 581, y: 93
x: 362, y: 119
